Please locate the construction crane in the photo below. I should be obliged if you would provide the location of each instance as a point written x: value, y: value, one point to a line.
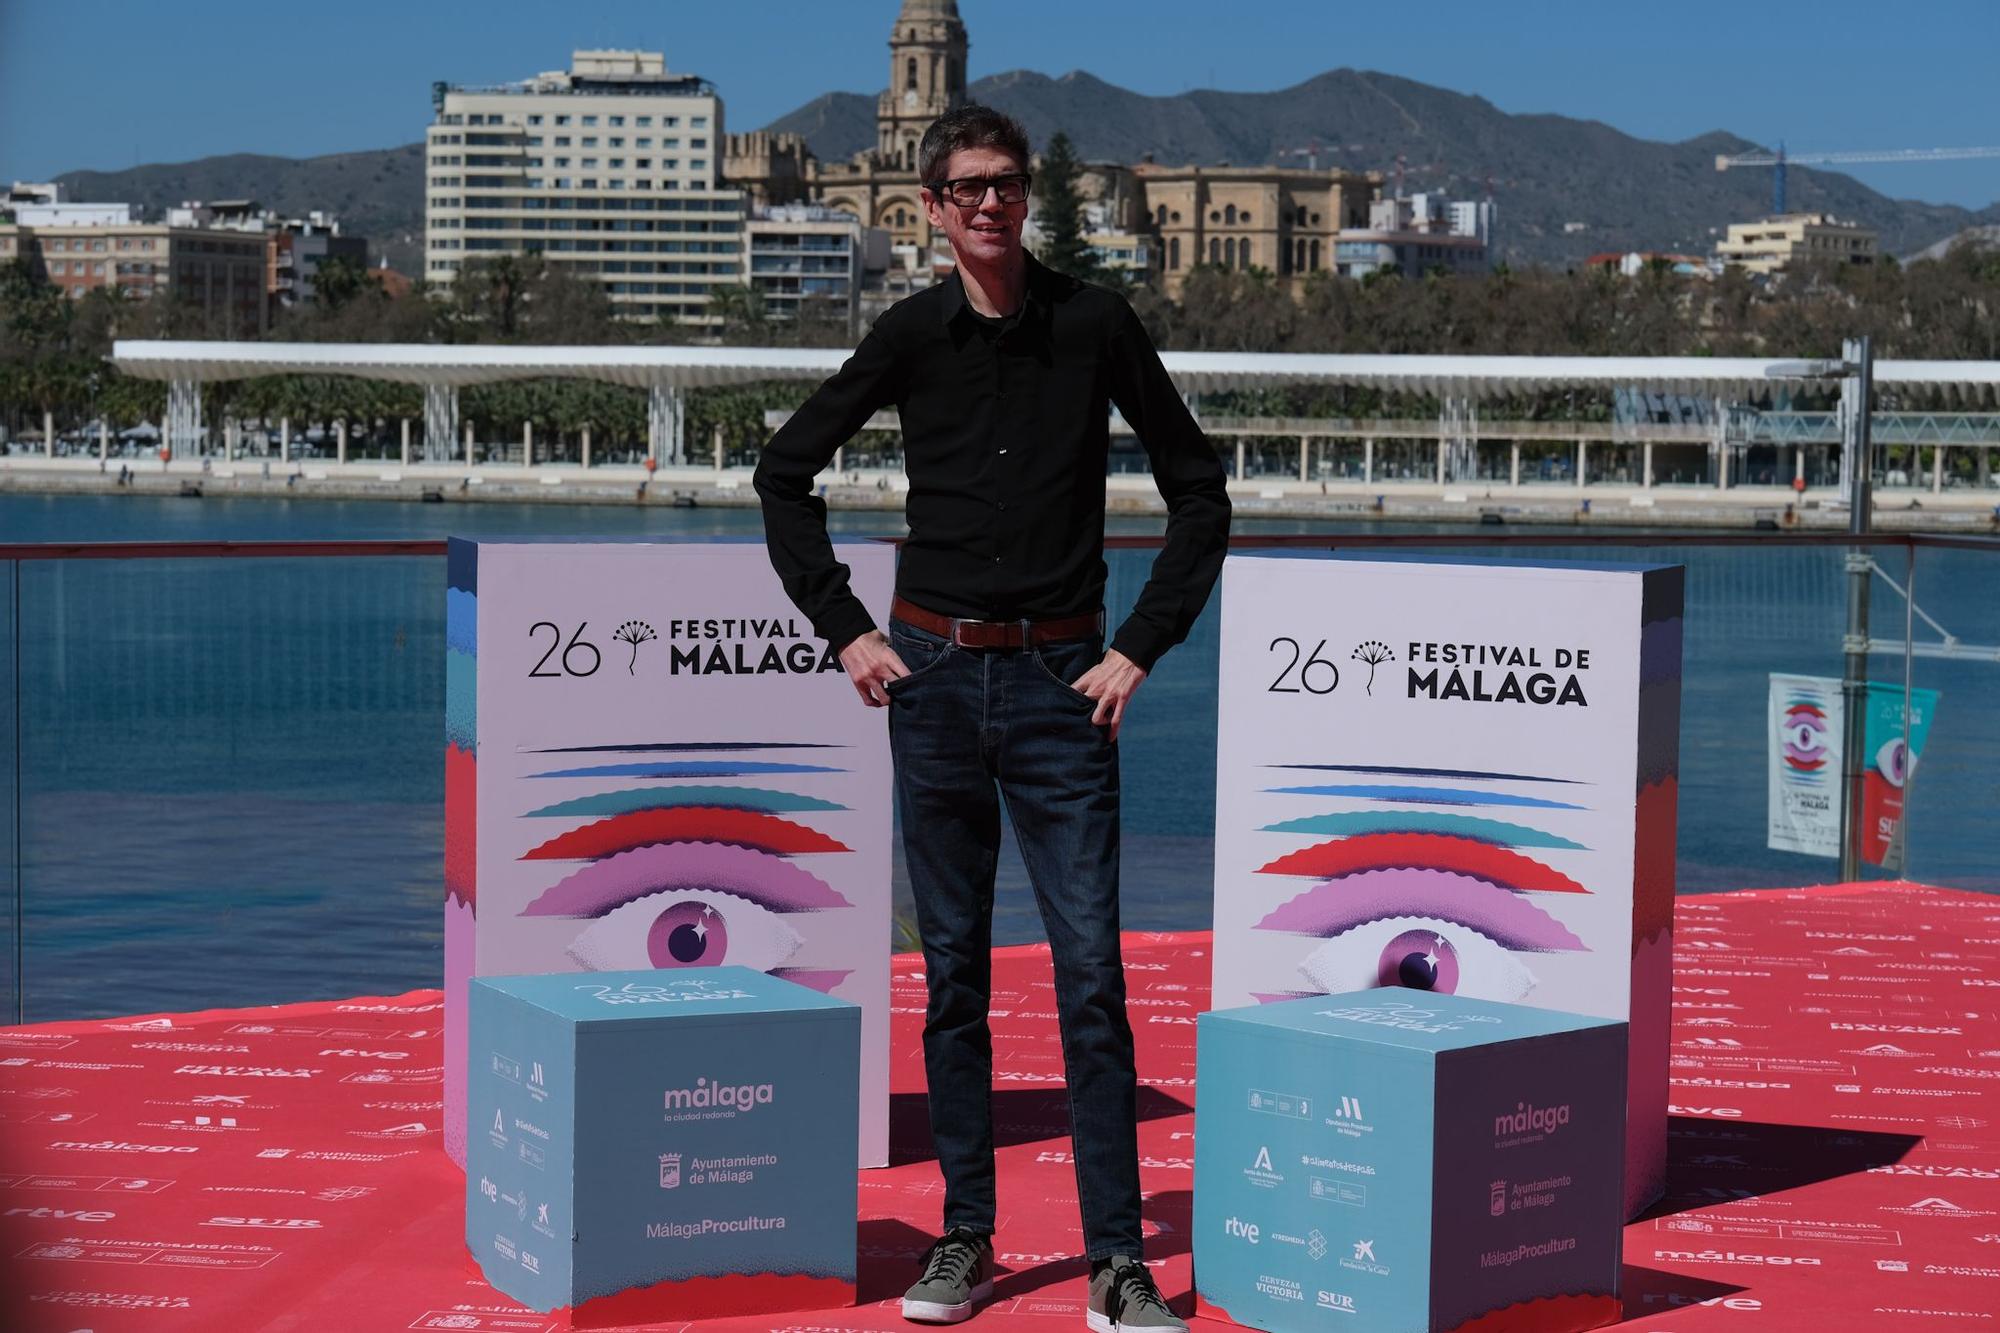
x: 1778, y: 161
x: 1310, y: 151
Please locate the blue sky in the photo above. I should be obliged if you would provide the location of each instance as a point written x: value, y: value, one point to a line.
x: 108, y: 83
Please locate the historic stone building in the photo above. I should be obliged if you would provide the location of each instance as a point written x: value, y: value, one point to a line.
x: 927, y: 48
x: 1280, y: 219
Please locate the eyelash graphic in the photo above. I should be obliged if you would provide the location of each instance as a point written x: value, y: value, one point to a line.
x: 659, y: 798
x: 684, y: 768
x: 691, y: 875
x: 1423, y: 899
x: 640, y: 828
x: 1426, y: 795
x: 1339, y: 905
x: 1415, y: 821
x: 754, y: 876
x: 1382, y: 851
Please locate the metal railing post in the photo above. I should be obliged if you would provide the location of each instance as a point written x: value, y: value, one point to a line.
x: 14, y: 684
x: 1856, y: 392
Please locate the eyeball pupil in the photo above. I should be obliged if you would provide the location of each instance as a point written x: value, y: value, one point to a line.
x: 1419, y: 960
x: 1416, y: 972
x: 685, y: 945
x: 688, y: 934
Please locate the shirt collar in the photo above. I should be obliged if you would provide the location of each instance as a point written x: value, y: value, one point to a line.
x: 1036, y: 299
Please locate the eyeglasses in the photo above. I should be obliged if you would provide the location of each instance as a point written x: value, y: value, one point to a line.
x: 970, y: 191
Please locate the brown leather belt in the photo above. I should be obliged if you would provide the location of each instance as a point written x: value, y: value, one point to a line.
x: 998, y: 633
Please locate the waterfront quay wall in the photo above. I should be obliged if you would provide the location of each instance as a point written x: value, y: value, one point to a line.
x: 1610, y: 505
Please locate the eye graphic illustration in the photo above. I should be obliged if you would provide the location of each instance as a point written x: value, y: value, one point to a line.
x: 1423, y: 928
x: 1425, y: 795
x: 1893, y: 761
x: 691, y: 904
x: 686, y: 928
x: 1419, y: 953
x: 659, y: 798
x: 1426, y: 898
x: 1505, y: 917
x: 770, y: 881
x: 684, y: 873
x: 639, y: 828
x: 1805, y: 736
x: 1425, y: 821
x: 1382, y: 851
x: 685, y: 768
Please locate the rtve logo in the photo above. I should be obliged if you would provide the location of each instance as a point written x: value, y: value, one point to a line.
x: 1248, y: 1231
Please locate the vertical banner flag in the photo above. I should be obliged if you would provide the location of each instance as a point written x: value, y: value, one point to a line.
x: 1454, y: 777
x: 651, y: 762
x: 1808, y: 732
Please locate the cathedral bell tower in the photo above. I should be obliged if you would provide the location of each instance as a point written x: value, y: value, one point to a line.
x: 926, y: 78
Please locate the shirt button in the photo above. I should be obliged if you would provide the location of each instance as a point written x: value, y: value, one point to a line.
x: 996, y: 559
x: 1003, y: 506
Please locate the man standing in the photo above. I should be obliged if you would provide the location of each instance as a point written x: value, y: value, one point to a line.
x: 994, y: 671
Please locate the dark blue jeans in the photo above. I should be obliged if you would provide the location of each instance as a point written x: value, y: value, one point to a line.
x: 970, y: 728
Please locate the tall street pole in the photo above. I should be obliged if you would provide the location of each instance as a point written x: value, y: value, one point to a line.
x: 1857, y: 392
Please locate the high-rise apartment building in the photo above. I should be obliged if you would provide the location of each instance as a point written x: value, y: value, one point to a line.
x: 804, y: 253
x: 611, y: 168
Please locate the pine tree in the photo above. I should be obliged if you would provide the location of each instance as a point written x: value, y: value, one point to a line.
x: 1059, y: 213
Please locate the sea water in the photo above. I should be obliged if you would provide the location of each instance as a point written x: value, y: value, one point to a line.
x: 231, y: 775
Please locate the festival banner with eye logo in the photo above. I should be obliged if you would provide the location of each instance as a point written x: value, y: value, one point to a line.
x: 1454, y: 777
x: 651, y: 763
x: 1808, y: 747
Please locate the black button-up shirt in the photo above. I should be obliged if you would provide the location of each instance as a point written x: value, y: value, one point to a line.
x: 1005, y: 433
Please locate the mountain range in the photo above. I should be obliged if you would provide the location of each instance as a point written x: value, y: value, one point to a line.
x: 1563, y: 188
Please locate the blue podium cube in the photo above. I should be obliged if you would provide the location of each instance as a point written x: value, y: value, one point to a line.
x: 662, y: 1145
x: 1408, y: 1162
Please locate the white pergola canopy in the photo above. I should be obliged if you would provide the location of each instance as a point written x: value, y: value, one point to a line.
x: 1464, y: 377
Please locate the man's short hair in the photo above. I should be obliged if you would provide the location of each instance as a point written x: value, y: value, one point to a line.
x: 968, y: 126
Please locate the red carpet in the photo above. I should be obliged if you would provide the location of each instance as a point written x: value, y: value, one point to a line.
x: 1835, y: 1165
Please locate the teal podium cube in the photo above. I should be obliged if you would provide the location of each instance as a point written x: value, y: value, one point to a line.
x: 1408, y: 1162
x: 657, y: 1145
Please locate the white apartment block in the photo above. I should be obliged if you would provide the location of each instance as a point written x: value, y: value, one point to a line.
x: 612, y: 168
x: 1776, y: 243
x: 801, y: 253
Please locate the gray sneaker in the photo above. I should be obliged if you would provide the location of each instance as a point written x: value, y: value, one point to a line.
x: 958, y: 1273
x: 1123, y: 1299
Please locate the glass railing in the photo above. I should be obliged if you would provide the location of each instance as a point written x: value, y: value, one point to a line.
x: 220, y: 779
